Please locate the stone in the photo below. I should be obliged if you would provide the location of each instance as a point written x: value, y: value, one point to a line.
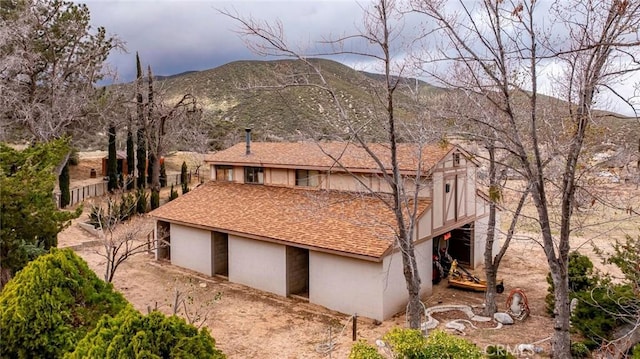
x: 503, y: 318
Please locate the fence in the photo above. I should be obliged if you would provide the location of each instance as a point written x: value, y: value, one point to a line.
x: 79, y: 194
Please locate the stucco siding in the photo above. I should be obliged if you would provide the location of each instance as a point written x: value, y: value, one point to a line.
x: 437, y: 204
x: 424, y: 224
x: 471, y: 191
x: 191, y: 248
x: 394, y: 286
x: 258, y: 264
x: 278, y: 177
x: 238, y: 174
x: 345, y: 284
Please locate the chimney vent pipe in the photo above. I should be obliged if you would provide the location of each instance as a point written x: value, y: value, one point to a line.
x: 248, y: 140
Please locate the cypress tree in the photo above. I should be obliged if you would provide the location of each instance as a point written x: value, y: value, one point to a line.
x: 131, y: 157
x: 163, y: 175
x: 155, y: 199
x: 150, y: 164
x: 184, y: 178
x: 112, y: 162
x: 141, y: 152
x: 65, y: 195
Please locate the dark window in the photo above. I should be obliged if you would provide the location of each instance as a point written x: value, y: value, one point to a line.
x: 307, y: 178
x: 254, y: 175
x: 224, y: 173
x: 456, y: 159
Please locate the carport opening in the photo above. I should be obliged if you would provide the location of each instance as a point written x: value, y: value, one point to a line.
x: 461, y: 245
x: 163, y: 244
x: 220, y: 253
x: 298, y: 272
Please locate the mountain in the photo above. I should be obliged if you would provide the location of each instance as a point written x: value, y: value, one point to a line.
x: 272, y: 98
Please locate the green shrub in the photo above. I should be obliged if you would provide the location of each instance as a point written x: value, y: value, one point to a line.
x: 600, y: 311
x: 364, y: 350
x: 51, y: 304
x: 74, y: 157
x: 579, y: 350
x: 581, y: 278
x: 163, y: 175
x: 184, y: 178
x: 636, y: 352
x: 441, y: 345
x: 155, y: 199
x: 406, y: 343
x: 411, y: 344
x: 63, y: 183
x: 173, y: 194
x: 133, y: 335
x: 142, y: 199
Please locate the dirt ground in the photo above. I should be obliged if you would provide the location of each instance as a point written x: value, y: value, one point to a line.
x: 248, y: 323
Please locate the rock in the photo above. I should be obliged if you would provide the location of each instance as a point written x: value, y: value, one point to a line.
x: 503, y: 318
x: 455, y: 326
x: 203, y: 285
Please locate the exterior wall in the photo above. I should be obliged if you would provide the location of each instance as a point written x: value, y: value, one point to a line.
x: 238, y: 174
x: 395, y: 296
x: 191, y: 248
x: 424, y: 224
x: 278, y: 177
x: 480, y: 240
x: 258, y: 264
x: 471, y: 191
x: 346, y: 284
x: 346, y: 182
x: 437, y: 201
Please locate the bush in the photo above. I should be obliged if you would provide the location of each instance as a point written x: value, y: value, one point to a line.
x: 406, y: 343
x: 155, y: 199
x: 579, y: 350
x: 636, y: 352
x: 114, y: 212
x: 63, y: 183
x: 142, y: 200
x: 410, y: 343
x: 51, y: 304
x: 173, y: 194
x: 595, y: 315
x: 364, y: 350
x: 581, y: 278
x: 74, y: 157
x: 163, y: 175
x: 184, y: 178
x: 132, y: 335
x: 441, y: 345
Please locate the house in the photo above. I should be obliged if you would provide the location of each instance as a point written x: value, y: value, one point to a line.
x: 308, y: 219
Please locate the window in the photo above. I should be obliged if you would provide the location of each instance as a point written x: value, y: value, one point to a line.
x: 307, y: 178
x: 224, y: 173
x: 456, y: 159
x: 254, y: 175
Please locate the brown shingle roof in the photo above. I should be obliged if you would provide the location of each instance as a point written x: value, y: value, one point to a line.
x: 334, y: 221
x: 318, y: 155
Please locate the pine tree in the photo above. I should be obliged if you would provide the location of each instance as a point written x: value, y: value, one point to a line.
x: 141, y: 152
x: 112, y: 162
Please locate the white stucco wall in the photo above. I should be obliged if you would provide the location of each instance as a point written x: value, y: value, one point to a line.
x: 191, y: 248
x: 345, y: 284
x: 437, y: 200
x: 471, y: 191
x: 424, y: 224
x: 258, y: 264
x: 395, y: 296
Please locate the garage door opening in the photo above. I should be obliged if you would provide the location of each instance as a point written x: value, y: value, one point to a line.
x: 163, y: 240
x: 220, y: 254
x: 461, y: 245
x: 298, y: 272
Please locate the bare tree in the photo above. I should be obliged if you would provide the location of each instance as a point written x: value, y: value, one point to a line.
x: 50, y: 58
x: 121, y: 233
x: 501, y: 49
x: 379, y: 31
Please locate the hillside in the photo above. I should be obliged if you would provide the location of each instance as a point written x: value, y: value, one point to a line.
x: 270, y: 97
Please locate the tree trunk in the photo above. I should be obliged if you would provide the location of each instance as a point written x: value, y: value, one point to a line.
x: 410, y: 269
x: 491, y: 267
x: 561, y: 340
x: 490, y: 306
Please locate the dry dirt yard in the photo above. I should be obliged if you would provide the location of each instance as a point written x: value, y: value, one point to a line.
x: 247, y: 323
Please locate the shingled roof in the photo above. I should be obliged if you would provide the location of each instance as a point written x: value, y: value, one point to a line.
x: 327, y: 155
x: 349, y: 223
